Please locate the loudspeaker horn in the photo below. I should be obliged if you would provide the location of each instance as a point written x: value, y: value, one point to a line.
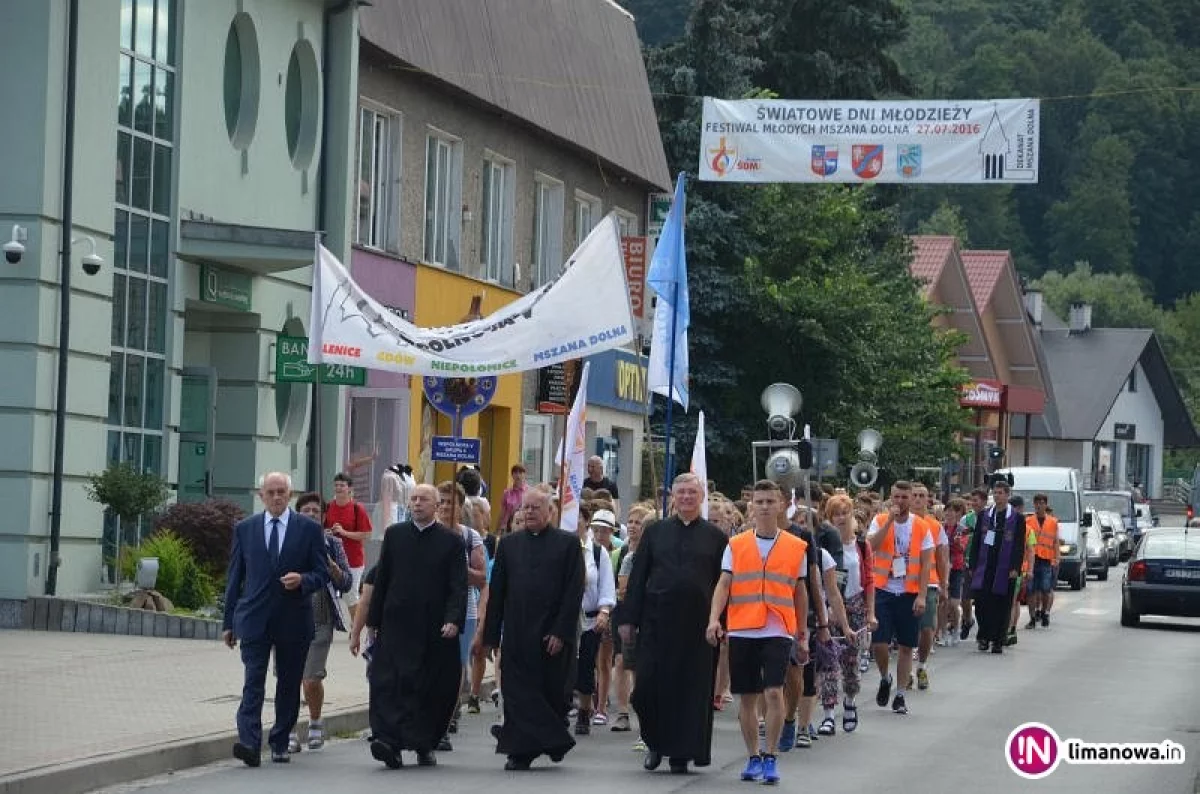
x: 864, y: 474
x: 783, y: 468
x: 869, y: 442
x: 781, y: 401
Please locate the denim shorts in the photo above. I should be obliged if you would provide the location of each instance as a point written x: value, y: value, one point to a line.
x: 896, y: 619
x: 957, y: 580
x: 929, y: 619
x: 1042, y: 580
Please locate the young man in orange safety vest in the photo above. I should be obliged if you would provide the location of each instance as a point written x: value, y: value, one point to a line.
x: 903, y: 549
x: 1045, y: 563
x: 763, y: 584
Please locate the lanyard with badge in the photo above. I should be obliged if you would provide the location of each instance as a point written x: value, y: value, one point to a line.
x: 990, y: 538
x: 899, y: 561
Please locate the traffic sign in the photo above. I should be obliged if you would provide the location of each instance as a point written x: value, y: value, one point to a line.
x: 448, y: 449
x: 291, y: 366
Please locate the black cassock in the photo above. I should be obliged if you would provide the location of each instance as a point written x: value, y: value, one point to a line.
x: 420, y: 585
x: 536, y: 591
x: 667, y: 599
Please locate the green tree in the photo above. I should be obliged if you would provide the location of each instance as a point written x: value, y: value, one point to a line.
x: 659, y: 21
x: 1095, y: 222
x: 128, y: 493
x: 947, y: 219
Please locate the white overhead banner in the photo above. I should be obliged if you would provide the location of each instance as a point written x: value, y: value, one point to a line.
x: 932, y: 142
x: 582, y: 312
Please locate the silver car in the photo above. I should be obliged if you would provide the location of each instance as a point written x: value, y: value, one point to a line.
x: 1112, y: 529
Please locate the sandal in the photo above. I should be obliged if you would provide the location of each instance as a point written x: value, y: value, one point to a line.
x: 828, y: 727
x: 719, y: 703
x: 849, y: 717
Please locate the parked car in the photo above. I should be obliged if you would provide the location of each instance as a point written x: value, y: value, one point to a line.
x: 1097, y: 556
x: 1119, y: 502
x: 1145, y: 515
x: 1163, y: 578
x: 1062, y: 486
x: 1110, y: 524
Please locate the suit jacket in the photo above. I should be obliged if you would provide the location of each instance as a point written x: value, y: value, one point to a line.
x: 257, y: 606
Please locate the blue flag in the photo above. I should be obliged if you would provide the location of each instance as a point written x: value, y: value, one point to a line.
x: 668, y: 370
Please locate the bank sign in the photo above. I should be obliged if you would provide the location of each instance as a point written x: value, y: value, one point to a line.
x: 937, y: 141
x: 617, y: 380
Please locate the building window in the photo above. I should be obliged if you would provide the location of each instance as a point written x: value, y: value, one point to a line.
x: 378, y: 220
x: 496, y: 245
x: 301, y: 100
x: 241, y: 81
x: 548, y: 229
x: 443, y: 201
x: 587, y: 215
x: 141, y: 302
x: 373, y: 441
x: 1137, y: 465
x: 1133, y: 379
x: 627, y: 223
x: 536, y: 449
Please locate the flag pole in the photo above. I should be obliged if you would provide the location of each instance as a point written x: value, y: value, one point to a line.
x: 667, y: 467
x: 315, y: 425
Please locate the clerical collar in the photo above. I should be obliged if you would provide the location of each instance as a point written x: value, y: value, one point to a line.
x: 423, y: 528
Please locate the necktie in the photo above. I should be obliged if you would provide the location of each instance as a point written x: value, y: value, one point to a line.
x: 273, y: 546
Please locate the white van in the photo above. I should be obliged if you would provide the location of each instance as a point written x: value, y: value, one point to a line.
x: 1064, y: 489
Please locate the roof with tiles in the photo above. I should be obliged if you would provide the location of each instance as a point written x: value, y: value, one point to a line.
x: 984, y: 269
x: 930, y: 254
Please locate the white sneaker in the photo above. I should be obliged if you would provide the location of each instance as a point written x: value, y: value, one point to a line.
x: 316, y: 735
x: 293, y: 743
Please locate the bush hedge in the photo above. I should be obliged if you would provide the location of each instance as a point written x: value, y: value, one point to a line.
x: 180, y: 577
x: 207, y: 527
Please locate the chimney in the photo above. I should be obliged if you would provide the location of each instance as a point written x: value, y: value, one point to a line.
x: 1081, y: 318
x: 1034, y: 305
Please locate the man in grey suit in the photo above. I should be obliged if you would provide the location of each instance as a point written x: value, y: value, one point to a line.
x: 277, y: 563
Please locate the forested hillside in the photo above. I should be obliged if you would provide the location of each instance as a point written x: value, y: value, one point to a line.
x: 1118, y: 185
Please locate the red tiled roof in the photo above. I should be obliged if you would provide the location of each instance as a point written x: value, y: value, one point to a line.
x: 930, y: 254
x: 984, y: 269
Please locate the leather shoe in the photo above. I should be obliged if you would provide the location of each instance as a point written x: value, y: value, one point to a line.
x: 281, y: 757
x: 679, y: 766
x: 516, y: 764
x: 426, y: 759
x: 384, y: 752
x: 652, y: 762
x: 247, y: 756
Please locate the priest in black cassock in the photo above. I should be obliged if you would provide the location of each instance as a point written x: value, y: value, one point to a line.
x: 533, y: 617
x: 998, y: 549
x: 669, y: 592
x: 418, y: 608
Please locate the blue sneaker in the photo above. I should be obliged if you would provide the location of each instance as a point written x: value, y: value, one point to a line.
x: 753, y: 770
x: 787, y: 739
x: 770, y: 774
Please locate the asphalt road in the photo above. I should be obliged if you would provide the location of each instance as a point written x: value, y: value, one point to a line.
x: 1085, y: 677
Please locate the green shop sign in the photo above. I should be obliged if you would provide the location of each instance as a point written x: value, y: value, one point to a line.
x: 291, y: 366
x: 226, y: 288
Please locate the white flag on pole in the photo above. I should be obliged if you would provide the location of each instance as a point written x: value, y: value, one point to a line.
x: 575, y: 450
x: 700, y: 465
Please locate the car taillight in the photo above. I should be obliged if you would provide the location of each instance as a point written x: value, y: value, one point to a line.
x: 1137, y: 571
x: 1191, y: 512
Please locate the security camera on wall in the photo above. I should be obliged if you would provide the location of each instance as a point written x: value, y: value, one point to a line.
x: 13, y: 249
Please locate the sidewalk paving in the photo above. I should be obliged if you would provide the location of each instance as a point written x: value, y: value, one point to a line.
x: 95, y: 708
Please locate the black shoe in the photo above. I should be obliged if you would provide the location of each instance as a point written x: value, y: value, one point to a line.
x: 453, y: 726
x: 898, y: 704
x: 679, y: 766
x: 652, y: 761
x: 983, y: 646
x: 1045, y: 620
x: 557, y: 756
x: 517, y: 764
x: 495, y: 731
x: 885, y: 690
x: 281, y: 756
x: 1032, y: 624
x: 444, y: 746
x: 997, y: 647
x: 965, y: 631
x: 386, y: 754
x: 426, y: 759
x: 247, y: 756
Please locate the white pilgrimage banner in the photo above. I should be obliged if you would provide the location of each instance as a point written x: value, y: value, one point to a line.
x: 932, y: 142
x: 582, y: 312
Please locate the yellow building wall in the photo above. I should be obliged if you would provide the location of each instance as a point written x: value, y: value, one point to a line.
x: 444, y: 298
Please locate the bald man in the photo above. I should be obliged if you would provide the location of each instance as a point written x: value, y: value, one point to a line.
x: 277, y: 563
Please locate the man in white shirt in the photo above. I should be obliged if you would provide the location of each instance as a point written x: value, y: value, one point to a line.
x: 599, y: 598
x: 901, y: 583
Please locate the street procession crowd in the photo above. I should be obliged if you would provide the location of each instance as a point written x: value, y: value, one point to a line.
x: 784, y: 600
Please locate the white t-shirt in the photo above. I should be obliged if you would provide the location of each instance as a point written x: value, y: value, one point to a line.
x: 942, y: 540
x: 774, y: 627
x: 853, y: 565
x: 827, y: 564
x: 902, y: 533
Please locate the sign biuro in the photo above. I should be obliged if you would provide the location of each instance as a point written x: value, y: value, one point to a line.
x: 931, y: 142
x: 583, y: 311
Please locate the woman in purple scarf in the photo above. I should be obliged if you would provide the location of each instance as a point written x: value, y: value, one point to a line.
x: 997, y: 547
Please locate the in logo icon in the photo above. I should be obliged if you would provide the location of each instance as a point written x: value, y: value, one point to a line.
x: 1033, y: 750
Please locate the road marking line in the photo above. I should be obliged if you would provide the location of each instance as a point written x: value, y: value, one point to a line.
x: 1091, y: 612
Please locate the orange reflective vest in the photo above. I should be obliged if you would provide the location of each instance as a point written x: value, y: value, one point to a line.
x: 763, y: 586
x: 1047, y: 536
x: 933, y: 528
x: 887, y: 552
